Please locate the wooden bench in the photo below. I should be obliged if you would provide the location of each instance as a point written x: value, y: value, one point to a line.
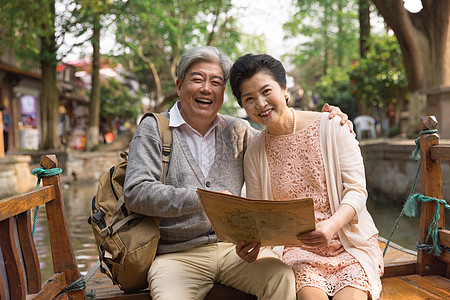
x: 19, y: 268
x: 428, y: 277
x: 407, y: 276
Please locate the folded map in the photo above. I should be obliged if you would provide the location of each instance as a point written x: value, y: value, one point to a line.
x: 269, y: 222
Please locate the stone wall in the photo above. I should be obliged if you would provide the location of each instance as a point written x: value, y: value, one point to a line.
x: 16, y: 177
x: 89, y: 165
x: 390, y: 172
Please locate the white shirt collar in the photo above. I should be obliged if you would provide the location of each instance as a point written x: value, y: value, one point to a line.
x: 176, y: 120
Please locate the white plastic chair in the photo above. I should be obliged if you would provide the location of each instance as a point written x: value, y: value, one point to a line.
x: 364, y: 124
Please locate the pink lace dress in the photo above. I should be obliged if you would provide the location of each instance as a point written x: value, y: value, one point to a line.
x: 297, y: 171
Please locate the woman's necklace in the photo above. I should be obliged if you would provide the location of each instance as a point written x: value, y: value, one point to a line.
x: 294, y: 126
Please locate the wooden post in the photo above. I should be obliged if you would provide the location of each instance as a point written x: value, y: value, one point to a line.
x: 62, y: 252
x: 432, y: 187
x: 2, y: 142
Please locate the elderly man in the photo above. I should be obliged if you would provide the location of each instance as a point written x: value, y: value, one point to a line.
x: 207, y: 152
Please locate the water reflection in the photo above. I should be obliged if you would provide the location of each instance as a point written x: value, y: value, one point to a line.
x: 384, y: 216
x: 78, y: 196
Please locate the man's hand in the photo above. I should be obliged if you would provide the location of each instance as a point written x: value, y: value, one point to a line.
x: 248, y: 252
x: 225, y: 192
x: 334, y: 110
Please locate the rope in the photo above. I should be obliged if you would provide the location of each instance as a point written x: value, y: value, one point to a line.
x: 79, y: 284
x: 429, y: 248
x: 416, y: 156
x: 410, y: 209
x: 416, y: 152
x: 40, y: 173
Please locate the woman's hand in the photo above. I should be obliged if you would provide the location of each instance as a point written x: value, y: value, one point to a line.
x: 320, y: 237
x: 248, y: 252
x: 334, y: 110
x: 326, y: 229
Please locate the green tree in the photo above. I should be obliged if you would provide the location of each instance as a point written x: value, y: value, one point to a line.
x: 29, y: 29
x: 380, y: 77
x: 35, y: 31
x: 334, y: 89
x: 92, y: 14
x: 329, y: 30
x: 425, y: 43
x: 154, y: 34
x: 118, y: 101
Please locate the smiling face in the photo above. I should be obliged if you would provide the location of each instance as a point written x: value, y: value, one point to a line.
x: 201, y: 94
x: 264, y: 101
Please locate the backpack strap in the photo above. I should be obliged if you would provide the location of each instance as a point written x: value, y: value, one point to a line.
x: 166, y: 138
x: 115, y: 226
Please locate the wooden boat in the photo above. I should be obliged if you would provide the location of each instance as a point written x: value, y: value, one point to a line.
x: 408, y: 275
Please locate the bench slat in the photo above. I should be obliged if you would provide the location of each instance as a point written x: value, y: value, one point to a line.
x: 55, y: 284
x: 11, y: 259
x: 21, y: 203
x: 444, y: 239
x: 415, y: 287
x: 440, y: 152
x: 29, y: 252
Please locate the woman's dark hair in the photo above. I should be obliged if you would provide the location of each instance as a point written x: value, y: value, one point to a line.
x: 248, y: 65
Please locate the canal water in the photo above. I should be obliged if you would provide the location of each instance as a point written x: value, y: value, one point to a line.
x: 78, y: 196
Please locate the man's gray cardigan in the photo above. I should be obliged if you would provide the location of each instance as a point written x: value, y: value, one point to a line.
x: 183, y: 223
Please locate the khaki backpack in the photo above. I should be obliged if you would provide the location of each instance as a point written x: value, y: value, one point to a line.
x: 126, y: 241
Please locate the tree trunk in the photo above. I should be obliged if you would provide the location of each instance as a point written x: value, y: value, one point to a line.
x: 326, y: 40
x: 340, y: 23
x: 94, y: 105
x: 49, y: 101
x: 424, y: 39
x: 364, y: 26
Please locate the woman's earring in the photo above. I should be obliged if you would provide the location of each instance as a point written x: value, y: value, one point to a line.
x: 286, y: 96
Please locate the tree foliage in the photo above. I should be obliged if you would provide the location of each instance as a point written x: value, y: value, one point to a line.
x: 328, y: 29
x: 118, y: 101
x: 35, y: 30
x: 334, y: 89
x: 154, y: 34
x: 380, y: 77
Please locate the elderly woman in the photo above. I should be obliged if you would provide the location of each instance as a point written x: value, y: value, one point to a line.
x: 302, y: 154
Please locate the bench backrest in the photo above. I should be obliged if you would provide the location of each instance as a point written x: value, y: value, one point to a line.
x: 19, y: 263
x: 431, y: 156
